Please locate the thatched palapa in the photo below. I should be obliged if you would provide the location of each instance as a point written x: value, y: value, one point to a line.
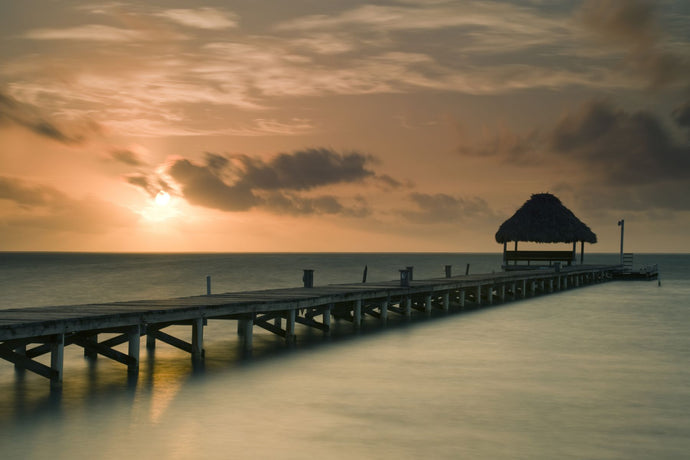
x: 544, y: 219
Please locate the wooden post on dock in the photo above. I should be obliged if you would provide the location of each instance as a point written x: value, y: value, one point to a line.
x: 198, y: 338
x: 57, y: 358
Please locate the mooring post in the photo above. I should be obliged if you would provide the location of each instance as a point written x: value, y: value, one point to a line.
x: 308, y: 278
x: 57, y: 358
x: 134, y: 337
x: 208, y: 285
x: 198, y: 338
x: 404, y: 277
x: 449, y: 268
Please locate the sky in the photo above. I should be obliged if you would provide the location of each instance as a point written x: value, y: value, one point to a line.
x: 339, y: 126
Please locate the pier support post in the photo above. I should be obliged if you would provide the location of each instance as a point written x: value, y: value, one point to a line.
x: 462, y: 298
x: 384, y: 311
x: 502, y: 293
x: 150, y: 341
x: 198, y: 338
x: 479, y: 295
x: 524, y: 289
x: 550, y: 284
x: 90, y: 353
x: 21, y: 351
x: 290, y: 327
x: 57, y: 358
x: 446, y: 301
x: 327, y: 318
x: 357, y: 314
x: 490, y: 294
x: 133, y: 337
x: 408, y: 307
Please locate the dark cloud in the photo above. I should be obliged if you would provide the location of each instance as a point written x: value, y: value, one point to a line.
x: 633, y: 25
x: 28, y: 195
x: 626, y: 148
x: 304, y: 169
x: 681, y: 115
x: 15, y: 112
x: 127, y: 157
x: 443, y: 208
x: 202, y: 186
x: 242, y: 182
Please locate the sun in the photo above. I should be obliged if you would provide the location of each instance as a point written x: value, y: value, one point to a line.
x: 162, y: 198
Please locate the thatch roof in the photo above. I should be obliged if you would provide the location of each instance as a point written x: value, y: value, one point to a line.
x: 544, y: 219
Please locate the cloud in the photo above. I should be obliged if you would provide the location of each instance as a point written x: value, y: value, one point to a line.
x: 634, y: 26
x: 89, y: 32
x: 444, y: 208
x: 202, y: 18
x: 241, y: 182
x: 41, y: 206
x: 27, y: 116
x: 681, y: 115
x: 128, y: 157
x: 606, y: 152
x: 627, y: 148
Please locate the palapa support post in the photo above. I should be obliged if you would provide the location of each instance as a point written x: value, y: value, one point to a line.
x: 198, y: 338
x: 57, y: 358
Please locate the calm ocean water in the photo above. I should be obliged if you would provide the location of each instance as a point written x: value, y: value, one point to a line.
x: 598, y: 373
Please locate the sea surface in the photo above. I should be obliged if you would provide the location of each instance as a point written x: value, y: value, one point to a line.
x: 600, y: 372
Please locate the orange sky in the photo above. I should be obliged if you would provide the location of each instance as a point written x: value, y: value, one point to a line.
x: 340, y: 126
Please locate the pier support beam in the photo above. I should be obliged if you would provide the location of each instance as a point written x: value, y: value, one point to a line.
x: 427, y: 304
x: 462, y: 298
x: 478, y: 299
x: 384, y: 311
x: 408, y: 307
x: 446, y: 301
x: 523, y: 290
x: 327, y: 318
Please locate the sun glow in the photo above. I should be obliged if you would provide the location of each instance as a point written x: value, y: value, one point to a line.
x: 162, y: 198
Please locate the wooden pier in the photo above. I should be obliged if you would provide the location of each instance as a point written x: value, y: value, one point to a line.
x: 29, y: 333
